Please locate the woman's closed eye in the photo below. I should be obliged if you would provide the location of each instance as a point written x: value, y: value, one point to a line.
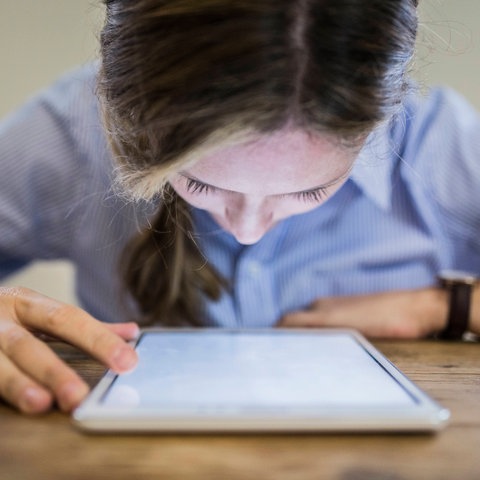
x: 315, y: 196
x: 194, y: 186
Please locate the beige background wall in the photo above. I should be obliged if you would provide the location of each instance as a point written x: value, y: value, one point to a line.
x: 40, y: 39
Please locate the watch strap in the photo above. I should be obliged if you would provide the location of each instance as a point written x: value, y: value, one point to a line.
x: 458, y: 312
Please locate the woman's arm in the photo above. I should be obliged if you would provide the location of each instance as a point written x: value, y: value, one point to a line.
x: 475, y: 311
x: 398, y: 314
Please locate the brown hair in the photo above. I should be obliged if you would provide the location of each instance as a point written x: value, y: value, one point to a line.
x: 180, y: 77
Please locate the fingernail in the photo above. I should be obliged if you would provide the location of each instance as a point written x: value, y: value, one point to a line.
x: 71, y: 394
x: 125, y: 359
x: 34, y: 400
x: 136, y: 331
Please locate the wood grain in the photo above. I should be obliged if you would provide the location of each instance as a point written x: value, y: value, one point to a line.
x: 49, y: 447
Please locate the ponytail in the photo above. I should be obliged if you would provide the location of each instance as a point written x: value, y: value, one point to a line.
x: 165, y: 271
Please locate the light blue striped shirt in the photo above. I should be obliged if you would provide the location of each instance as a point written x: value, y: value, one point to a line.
x: 410, y: 208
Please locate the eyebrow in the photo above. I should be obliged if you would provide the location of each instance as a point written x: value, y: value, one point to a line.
x: 313, y: 189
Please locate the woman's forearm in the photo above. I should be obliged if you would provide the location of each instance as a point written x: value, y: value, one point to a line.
x: 474, y: 325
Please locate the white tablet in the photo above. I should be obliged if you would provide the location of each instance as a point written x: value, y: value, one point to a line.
x: 258, y: 380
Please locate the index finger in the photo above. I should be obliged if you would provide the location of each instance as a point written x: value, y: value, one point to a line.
x: 75, y: 326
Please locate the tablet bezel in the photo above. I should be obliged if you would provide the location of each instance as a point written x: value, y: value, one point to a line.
x: 425, y: 415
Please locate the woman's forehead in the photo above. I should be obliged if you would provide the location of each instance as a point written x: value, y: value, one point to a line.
x: 281, y: 162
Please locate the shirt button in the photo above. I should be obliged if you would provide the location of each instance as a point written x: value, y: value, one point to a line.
x: 254, y: 268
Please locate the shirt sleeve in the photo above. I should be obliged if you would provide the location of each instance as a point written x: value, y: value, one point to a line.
x: 442, y: 154
x: 43, y: 174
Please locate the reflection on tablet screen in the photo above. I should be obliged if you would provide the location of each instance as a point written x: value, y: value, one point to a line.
x: 210, y: 370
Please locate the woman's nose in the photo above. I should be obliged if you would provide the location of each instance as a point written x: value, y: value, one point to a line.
x: 249, y: 221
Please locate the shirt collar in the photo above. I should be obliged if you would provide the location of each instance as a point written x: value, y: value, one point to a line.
x: 373, y: 167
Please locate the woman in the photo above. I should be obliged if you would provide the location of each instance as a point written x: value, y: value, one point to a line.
x: 261, y: 163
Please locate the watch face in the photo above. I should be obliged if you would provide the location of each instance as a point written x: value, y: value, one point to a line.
x: 457, y: 276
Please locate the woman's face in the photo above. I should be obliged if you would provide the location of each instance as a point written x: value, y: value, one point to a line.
x: 249, y: 188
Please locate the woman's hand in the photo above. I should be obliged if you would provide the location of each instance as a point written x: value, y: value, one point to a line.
x: 32, y: 377
x: 398, y: 314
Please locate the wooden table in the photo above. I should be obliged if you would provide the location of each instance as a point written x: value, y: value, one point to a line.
x: 49, y: 447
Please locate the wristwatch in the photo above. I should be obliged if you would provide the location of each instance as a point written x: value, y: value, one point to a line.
x: 460, y: 286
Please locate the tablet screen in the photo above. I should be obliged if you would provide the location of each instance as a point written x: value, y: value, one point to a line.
x: 203, y: 371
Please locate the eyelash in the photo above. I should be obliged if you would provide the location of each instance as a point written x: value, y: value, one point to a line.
x: 194, y: 186
x: 313, y: 195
